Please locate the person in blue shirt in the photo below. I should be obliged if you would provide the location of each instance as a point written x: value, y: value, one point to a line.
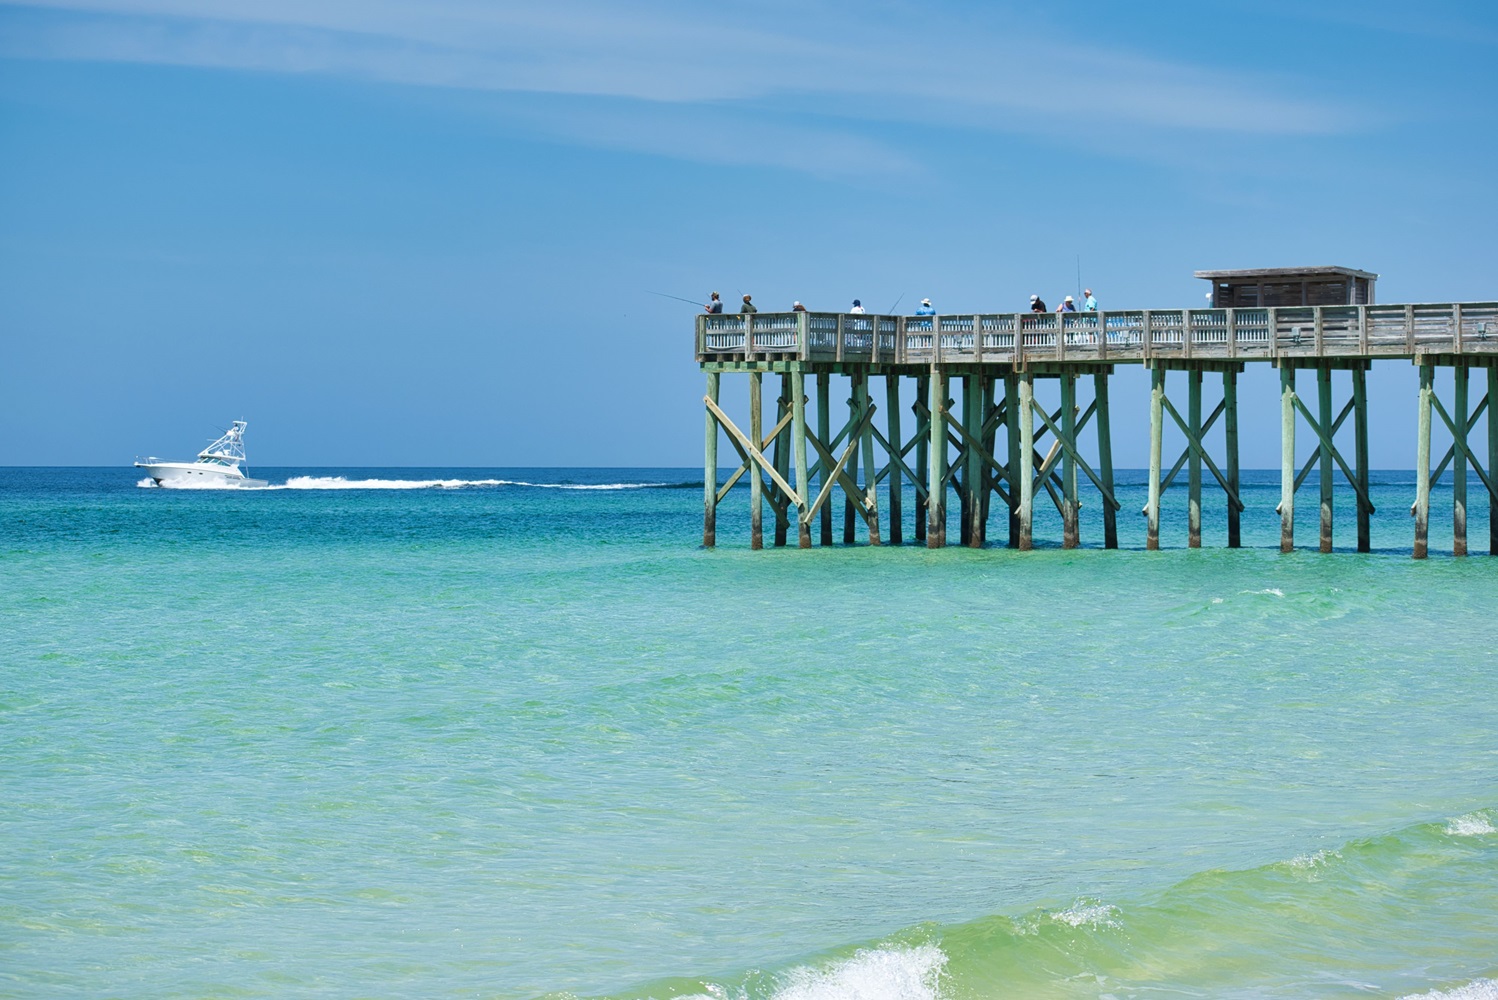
x: 926, y: 308
x: 1067, y: 305
x: 715, y: 305
x: 1089, y: 304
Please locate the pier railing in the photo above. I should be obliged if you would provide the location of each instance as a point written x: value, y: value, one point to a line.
x: 1130, y: 335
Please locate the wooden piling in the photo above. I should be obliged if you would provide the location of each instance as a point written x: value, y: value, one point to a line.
x: 973, y: 478
x: 936, y: 504
x: 1422, y: 462
x: 782, y: 459
x: 849, y: 511
x: 824, y: 434
x: 1025, y: 472
x: 896, y: 442
x: 922, y: 455
x: 987, y: 478
x: 1194, y: 462
x: 1105, y: 458
x: 1492, y: 460
x: 1459, y: 470
x: 798, y: 447
x: 1287, y: 458
x: 1017, y: 465
x: 1070, y: 535
x: 870, y: 472
x: 756, y: 435
x: 710, y: 470
x: 1157, y: 436
x: 1360, y: 445
x: 1230, y: 435
x: 1324, y: 417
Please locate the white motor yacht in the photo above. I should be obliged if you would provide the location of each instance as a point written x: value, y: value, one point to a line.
x: 217, y: 465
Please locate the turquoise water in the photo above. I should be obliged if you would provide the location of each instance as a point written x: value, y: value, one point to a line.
x: 511, y: 741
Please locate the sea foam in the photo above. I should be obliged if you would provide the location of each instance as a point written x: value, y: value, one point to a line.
x: 893, y: 973
x: 1478, y: 989
x: 1471, y: 825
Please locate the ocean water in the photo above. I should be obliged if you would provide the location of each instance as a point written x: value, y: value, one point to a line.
x: 513, y: 734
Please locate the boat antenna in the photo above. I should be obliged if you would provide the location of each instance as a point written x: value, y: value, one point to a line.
x: 891, y: 310
x: 678, y: 298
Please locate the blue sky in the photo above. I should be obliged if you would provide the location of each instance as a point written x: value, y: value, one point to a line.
x: 391, y: 233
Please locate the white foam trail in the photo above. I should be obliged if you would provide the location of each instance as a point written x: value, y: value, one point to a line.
x: 191, y: 484
x: 1470, y: 825
x: 893, y: 973
x: 1271, y: 591
x: 1477, y: 989
x: 341, y: 483
x: 147, y: 483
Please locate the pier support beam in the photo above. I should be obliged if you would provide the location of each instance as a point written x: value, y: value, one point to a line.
x: 710, y: 470
x: 756, y: 432
x: 1230, y: 433
x: 1492, y: 460
x: 1017, y: 466
x: 1157, y: 436
x: 782, y: 502
x: 1287, y: 459
x: 1324, y: 408
x: 922, y: 453
x: 1105, y: 457
x: 1070, y: 535
x: 936, y: 499
x: 1360, y: 431
x: 1194, y: 462
x: 798, y: 447
x: 870, y: 476
x: 896, y: 487
x: 974, y: 476
x: 854, y: 413
x: 824, y: 434
x: 1422, y: 462
x: 1025, y: 474
x: 1459, y: 470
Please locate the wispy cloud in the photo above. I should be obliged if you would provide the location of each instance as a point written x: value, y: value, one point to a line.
x: 884, y: 63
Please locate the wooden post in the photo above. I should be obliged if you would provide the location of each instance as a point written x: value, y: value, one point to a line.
x: 1287, y: 458
x: 756, y: 490
x: 855, y: 414
x: 782, y: 460
x: 870, y: 473
x: 710, y: 470
x: 1325, y: 417
x: 1026, y: 471
x: 1492, y: 461
x: 1459, y: 470
x: 1230, y: 433
x: 1105, y: 454
x: 896, y: 442
x: 1360, y: 431
x: 1422, y: 462
x: 1157, y: 433
x: 936, y: 506
x: 824, y: 434
x: 1016, y: 464
x: 1194, y: 462
x: 965, y: 493
x: 987, y: 478
x: 1070, y: 536
x: 973, y: 478
x: 922, y: 457
x: 798, y: 447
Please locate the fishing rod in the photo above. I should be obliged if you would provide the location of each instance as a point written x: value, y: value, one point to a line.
x: 891, y: 310
x: 678, y: 298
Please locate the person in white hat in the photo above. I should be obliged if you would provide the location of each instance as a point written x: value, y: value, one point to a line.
x: 1068, y: 305
x: 926, y: 308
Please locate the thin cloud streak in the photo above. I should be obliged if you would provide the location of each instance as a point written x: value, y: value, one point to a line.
x: 952, y: 71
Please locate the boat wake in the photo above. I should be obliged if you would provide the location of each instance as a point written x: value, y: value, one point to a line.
x: 343, y: 483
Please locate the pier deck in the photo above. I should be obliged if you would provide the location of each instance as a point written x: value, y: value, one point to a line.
x: 996, y: 358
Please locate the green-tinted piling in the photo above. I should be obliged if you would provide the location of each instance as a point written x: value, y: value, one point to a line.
x: 1422, y: 462
x: 1230, y: 434
x: 1026, y: 471
x: 936, y: 505
x: 1459, y: 470
x: 1070, y: 534
x: 1017, y: 466
x: 1287, y: 459
x: 1324, y: 417
x: 922, y: 453
x: 1360, y: 444
x: 1157, y: 437
x: 798, y: 447
x: 756, y: 490
x: 1194, y: 460
x: 824, y: 434
x: 710, y: 469
x: 896, y: 487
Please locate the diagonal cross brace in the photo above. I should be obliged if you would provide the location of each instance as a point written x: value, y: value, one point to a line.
x: 838, y: 476
x: 1186, y: 452
x: 1461, y: 445
x: 1196, y: 443
x: 769, y: 438
x: 745, y: 445
x: 1071, y: 449
x: 897, y: 458
x: 1435, y: 477
x: 1337, y: 455
x: 1305, y: 470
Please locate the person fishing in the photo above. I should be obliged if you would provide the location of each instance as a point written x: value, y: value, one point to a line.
x: 748, y: 306
x: 926, y: 308
x: 715, y: 305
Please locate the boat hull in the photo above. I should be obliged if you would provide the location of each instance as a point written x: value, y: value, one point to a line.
x: 196, y: 474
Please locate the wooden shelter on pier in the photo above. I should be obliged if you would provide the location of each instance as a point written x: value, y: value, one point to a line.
x: 990, y: 443
x: 1291, y: 286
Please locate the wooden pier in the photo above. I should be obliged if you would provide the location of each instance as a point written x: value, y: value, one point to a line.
x: 977, y: 431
